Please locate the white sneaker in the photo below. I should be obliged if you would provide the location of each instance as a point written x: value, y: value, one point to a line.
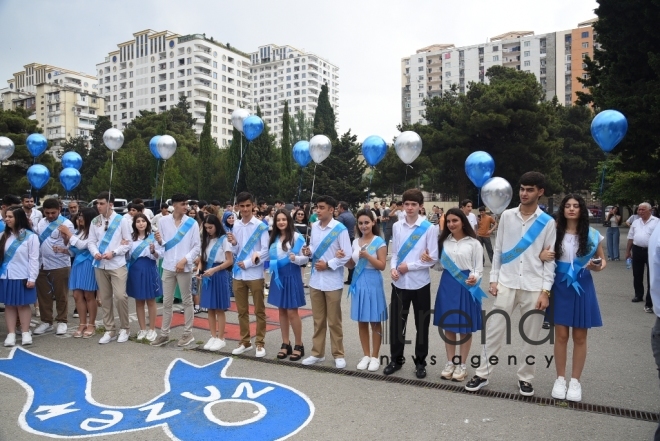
x: 43, y: 328
x: 123, y: 336
x: 261, y: 352
x: 374, y: 364
x: 460, y: 372
x: 559, y: 389
x: 151, y: 335
x: 61, y: 329
x: 340, y: 363
x: 312, y: 360
x: 448, y: 372
x: 364, y: 363
x: 26, y: 338
x: 217, y: 345
x: 142, y: 333
x: 574, y: 392
x: 11, y: 339
x: 241, y: 348
x: 107, y: 338
x: 209, y: 343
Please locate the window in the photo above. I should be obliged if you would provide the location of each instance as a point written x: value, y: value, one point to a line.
x: 496, y: 48
x: 585, y: 44
x: 153, y: 69
x: 420, y: 68
x: 526, y: 44
x: 585, y: 34
x: 420, y: 60
x: 526, y: 54
x: 447, y: 64
x: 496, y: 58
x: 153, y: 100
x: 448, y: 74
x: 527, y: 63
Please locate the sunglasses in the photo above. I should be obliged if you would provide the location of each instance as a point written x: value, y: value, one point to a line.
x: 106, y: 224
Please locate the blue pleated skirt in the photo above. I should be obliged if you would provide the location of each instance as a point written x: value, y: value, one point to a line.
x: 143, y: 282
x: 215, y: 291
x: 14, y: 293
x: 452, y: 296
x: 82, y: 277
x: 368, y: 302
x: 292, y: 293
x: 571, y: 309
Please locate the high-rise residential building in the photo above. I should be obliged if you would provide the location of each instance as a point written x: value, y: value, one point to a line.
x: 153, y: 69
x: 65, y: 103
x: 285, y: 73
x: 436, y: 68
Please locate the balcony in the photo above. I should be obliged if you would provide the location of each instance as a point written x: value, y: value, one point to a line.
x: 80, y: 102
x: 511, y: 60
x: 87, y: 115
x: 55, y: 113
x: 202, y: 86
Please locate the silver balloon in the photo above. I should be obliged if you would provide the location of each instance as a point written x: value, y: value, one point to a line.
x: 113, y: 139
x: 6, y: 148
x: 166, y: 146
x: 319, y: 148
x: 237, y: 117
x: 408, y: 146
x: 496, y: 194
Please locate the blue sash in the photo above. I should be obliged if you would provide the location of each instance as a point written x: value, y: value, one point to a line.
x: 412, y: 240
x: 362, y: 262
x: 252, y: 241
x: 11, y: 251
x: 570, y: 272
x: 529, y: 237
x: 50, y: 228
x: 2, y: 226
x: 458, y: 275
x: 107, y: 237
x: 80, y: 255
x: 135, y: 255
x: 275, y: 264
x: 326, y: 242
x: 210, y: 262
x: 180, y: 234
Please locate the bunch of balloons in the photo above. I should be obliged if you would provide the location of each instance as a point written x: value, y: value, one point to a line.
x: 113, y: 140
x: 70, y: 175
x: 249, y: 125
x: 38, y: 175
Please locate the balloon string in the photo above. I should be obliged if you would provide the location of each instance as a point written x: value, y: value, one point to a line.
x: 162, y: 188
x: 369, y: 187
x: 238, y: 172
x: 112, y: 166
x: 602, y: 180
x: 311, y: 200
x: 156, y: 177
x: 300, y: 184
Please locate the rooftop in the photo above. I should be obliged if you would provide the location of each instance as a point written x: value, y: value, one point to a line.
x: 512, y: 35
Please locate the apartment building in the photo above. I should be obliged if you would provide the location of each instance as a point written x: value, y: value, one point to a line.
x: 153, y: 69
x: 285, y: 73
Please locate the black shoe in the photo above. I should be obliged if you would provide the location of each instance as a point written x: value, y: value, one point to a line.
x: 391, y: 368
x: 636, y: 299
x: 347, y: 283
x: 648, y: 309
x: 546, y: 325
x: 285, y: 351
x: 296, y: 357
x: 420, y: 372
x: 476, y: 383
x: 526, y: 388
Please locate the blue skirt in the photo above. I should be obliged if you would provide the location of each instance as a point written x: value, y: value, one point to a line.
x: 215, y: 291
x: 452, y: 296
x: 14, y: 293
x: 143, y: 282
x: 368, y: 302
x: 292, y: 293
x: 573, y: 310
x: 82, y: 277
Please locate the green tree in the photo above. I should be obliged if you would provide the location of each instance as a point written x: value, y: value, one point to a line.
x: 324, y: 117
x: 96, y: 157
x: 285, y: 144
x: 207, y: 155
x: 301, y: 127
x: 184, y: 107
x: 262, y: 165
x: 234, y: 152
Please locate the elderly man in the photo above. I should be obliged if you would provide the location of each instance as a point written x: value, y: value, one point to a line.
x: 638, y: 247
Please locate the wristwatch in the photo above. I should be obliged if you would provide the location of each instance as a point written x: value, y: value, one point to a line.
x: 114, y: 254
x: 546, y: 292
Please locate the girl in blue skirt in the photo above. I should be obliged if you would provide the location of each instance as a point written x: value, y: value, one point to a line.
x: 216, y: 258
x: 143, y: 282
x: 286, y: 286
x: 368, y: 304
x: 19, y: 254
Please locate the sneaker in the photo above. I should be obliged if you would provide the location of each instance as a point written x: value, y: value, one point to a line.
x: 242, y: 348
x: 546, y: 325
x: 123, y: 336
x: 261, y: 351
x: 107, y: 338
x: 648, y: 309
x: 61, y: 329
x: 209, y: 343
x: 204, y: 309
x: 196, y: 309
x: 574, y: 392
x: 559, y: 389
x: 43, y: 328
x: 151, y: 335
x: 448, y: 371
x: 374, y: 364
x: 526, y: 388
x: 185, y: 340
x: 217, y: 345
x: 476, y: 383
x: 11, y: 339
x: 26, y: 338
x: 142, y: 334
x: 75, y: 313
x: 340, y: 363
x: 160, y: 340
x: 364, y: 363
x: 312, y: 360
x: 460, y: 372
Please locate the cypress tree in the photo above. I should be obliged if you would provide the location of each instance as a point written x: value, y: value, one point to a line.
x: 207, y: 151
x: 285, y: 145
x: 324, y: 118
x: 261, y: 165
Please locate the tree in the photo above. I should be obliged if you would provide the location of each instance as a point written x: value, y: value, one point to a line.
x: 301, y: 127
x: 234, y: 153
x: 262, y: 165
x: 207, y: 155
x: 324, y: 117
x: 95, y: 159
x: 285, y: 144
x: 184, y: 107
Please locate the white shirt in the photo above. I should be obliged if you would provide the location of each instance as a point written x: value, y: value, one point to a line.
x: 146, y: 252
x: 76, y: 241
x: 474, y: 223
x: 569, y: 247
x: 467, y: 254
x: 220, y: 255
x: 418, y: 271
x: 97, y: 233
x: 299, y: 259
x: 331, y: 279
x: 401, y: 215
x: 147, y: 212
x: 51, y: 260
x: 654, y: 270
x: 156, y: 220
x: 188, y: 247
x: 640, y: 231
x: 242, y: 232
x: 527, y: 272
x: 35, y: 217
x: 356, y: 252
x: 25, y: 263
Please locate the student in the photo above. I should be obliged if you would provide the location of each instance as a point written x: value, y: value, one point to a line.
x: 286, y: 289
x: 411, y: 282
x: 19, y: 254
x: 249, y: 240
x: 34, y: 215
x: 466, y: 207
x: 213, y: 279
x: 143, y: 282
x: 486, y: 226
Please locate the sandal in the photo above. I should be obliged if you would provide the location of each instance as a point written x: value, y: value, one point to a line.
x: 89, y: 333
x: 301, y: 350
x: 79, y: 331
x: 285, y: 351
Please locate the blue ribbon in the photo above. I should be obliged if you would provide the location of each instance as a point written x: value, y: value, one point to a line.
x: 529, y: 237
x: 210, y: 262
x: 135, y: 255
x: 249, y: 245
x: 362, y: 263
x: 11, y: 251
x: 80, y: 255
x: 107, y: 237
x: 180, y: 234
x: 50, y: 228
x: 326, y: 242
x: 276, y: 264
x: 570, y: 271
x: 412, y: 240
x: 2, y: 226
x: 458, y: 275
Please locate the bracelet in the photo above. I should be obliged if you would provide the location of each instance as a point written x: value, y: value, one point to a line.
x: 546, y: 292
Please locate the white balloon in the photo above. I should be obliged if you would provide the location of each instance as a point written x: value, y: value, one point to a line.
x: 408, y: 146
x: 319, y: 148
x: 496, y: 194
x: 113, y: 139
x: 166, y: 146
x: 7, y: 148
x: 237, y: 117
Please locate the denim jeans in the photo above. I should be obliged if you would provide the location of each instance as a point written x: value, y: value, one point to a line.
x: 613, y: 242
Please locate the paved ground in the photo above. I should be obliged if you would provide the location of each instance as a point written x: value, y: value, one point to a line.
x: 620, y: 372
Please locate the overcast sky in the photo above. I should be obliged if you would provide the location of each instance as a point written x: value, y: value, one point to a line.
x: 365, y: 38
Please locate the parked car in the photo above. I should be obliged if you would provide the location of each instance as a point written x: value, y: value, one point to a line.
x: 120, y: 205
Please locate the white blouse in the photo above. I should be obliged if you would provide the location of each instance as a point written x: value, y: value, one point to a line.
x: 25, y: 263
x: 570, y: 247
x: 467, y: 254
x: 281, y: 254
x: 356, y: 252
x: 77, y: 242
x: 146, y: 252
x: 220, y: 255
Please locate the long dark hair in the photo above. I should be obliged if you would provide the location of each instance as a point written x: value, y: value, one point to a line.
x: 289, y: 232
x: 582, y: 226
x: 136, y: 233
x: 370, y: 215
x: 465, y: 226
x: 206, y: 237
x: 609, y: 215
x: 304, y: 221
x: 88, y: 215
x: 21, y: 222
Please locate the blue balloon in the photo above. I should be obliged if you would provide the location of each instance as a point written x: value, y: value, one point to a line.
x: 479, y: 167
x: 70, y: 178
x: 36, y: 144
x: 252, y: 127
x: 153, y: 146
x: 301, y: 153
x: 374, y: 149
x: 608, y: 129
x: 38, y: 176
x: 72, y: 159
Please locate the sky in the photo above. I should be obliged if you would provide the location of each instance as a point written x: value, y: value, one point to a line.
x: 366, y: 39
